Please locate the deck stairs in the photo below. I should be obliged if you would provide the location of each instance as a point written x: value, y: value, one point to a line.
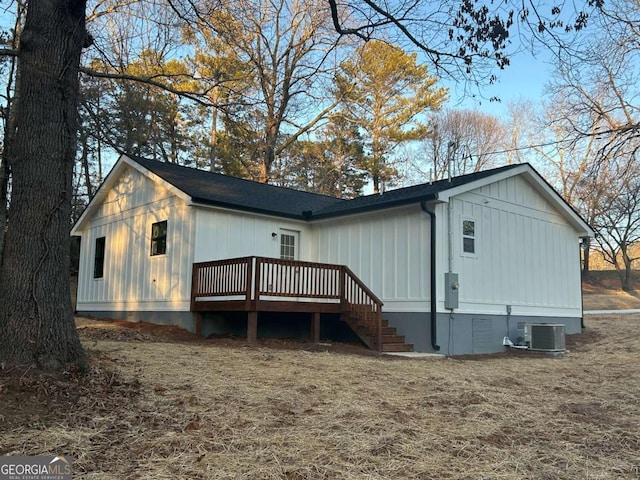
x: 391, y: 341
x: 366, y: 330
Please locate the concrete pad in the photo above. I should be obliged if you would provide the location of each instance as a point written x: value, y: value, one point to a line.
x: 611, y: 312
x: 415, y: 354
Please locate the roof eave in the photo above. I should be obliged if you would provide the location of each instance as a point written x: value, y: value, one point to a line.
x: 374, y: 207
x: 202, y: 202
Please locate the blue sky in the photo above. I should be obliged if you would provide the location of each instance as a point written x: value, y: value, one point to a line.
x: 524, y: 78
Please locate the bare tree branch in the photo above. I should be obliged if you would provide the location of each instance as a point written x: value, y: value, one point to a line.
x: 198, y: 97
x: 9, y: 52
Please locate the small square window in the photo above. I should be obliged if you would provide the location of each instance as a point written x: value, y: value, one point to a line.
x: 98, y: 259
x: 469, y: 236
x: 159, y: 238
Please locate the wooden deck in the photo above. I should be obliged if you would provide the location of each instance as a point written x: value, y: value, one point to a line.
x: 261, y: 284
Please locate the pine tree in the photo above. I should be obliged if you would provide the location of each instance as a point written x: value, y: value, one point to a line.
x: 385, y: 92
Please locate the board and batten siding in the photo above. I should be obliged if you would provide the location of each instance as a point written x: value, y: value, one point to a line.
x: 134, y: 280
x: 225, y: 234
x: 527, y: 255
x: 388, y: 251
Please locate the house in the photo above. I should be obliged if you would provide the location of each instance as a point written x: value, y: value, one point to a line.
x: 494, y: 250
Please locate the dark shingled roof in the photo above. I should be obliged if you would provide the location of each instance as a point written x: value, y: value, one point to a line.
x: 403, y: 196
x: 235, y: 193
x: 224, y: 191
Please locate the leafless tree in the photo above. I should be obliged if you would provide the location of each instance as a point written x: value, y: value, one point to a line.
x: 462, y: 141
x: 520, y: 130
x: 289, y: 49
x: 600, y: 81
x: 465, y: 41
x: 617, y: 223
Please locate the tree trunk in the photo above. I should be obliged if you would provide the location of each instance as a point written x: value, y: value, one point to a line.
x: 268, y: 156
x: 586, y: 253
x: 12, y: 96
x: 99, y: 155
x: 4, y: 202
x: 213, y: 134
x: 376, y: 184
x: 85, y: 167
x: 36, y: 320
x: 626, y: 278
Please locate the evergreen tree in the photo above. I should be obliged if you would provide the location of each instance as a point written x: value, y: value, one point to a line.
x: 385, y: 91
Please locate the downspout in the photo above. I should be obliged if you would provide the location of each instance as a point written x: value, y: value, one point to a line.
x: 433, y: 300
x: 580, y: 253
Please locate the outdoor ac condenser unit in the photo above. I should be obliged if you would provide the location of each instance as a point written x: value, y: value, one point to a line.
x: 545, y: 337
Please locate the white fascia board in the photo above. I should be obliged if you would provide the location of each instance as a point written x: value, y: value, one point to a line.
x: 118, y: 169
x: 538, y: 183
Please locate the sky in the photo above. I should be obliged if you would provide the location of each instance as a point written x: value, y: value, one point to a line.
x: 524, y: 78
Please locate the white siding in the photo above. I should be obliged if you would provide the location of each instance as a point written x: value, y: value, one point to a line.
x: 230, y: 234
x: 388, y: 250
x: 527, y: 255
x: 133, y: 279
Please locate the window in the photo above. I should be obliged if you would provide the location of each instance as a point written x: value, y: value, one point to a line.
x: 287, y: 247
x: 159, y: 238
x: 98, y: 259
x: 469, y: 236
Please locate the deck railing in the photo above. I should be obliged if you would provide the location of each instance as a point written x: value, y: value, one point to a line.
x: 251, y: 279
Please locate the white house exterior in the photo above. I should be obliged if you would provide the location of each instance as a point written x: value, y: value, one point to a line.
x: 505, y: 244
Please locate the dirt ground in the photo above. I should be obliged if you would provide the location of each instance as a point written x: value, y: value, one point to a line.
x: 161, y: 403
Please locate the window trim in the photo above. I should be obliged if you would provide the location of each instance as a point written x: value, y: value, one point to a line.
x: 98, y: 273
x: 473, y: 237
x: 159, y: 238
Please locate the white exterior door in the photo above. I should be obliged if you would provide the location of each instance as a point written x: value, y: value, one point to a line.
x: 289, y: 244
x: 290, y: 250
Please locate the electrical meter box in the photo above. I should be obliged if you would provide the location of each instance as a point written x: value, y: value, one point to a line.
x: 451, y: 289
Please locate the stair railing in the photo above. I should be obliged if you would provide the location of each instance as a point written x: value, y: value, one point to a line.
x: 363, y: 304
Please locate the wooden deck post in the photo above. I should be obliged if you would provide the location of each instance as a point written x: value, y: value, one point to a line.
x: 194, y: 286
x: 252, y: 327
x: 315, y: 327
x: 198, y: 316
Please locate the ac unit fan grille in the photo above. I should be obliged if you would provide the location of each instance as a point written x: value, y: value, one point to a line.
x: 547, y: 337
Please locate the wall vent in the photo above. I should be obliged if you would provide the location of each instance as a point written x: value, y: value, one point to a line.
x: 545, y: 337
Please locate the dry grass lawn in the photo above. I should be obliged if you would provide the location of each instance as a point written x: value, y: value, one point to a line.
x: 159, y: 404
x: 602, y: 292
x: 615, y: 300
